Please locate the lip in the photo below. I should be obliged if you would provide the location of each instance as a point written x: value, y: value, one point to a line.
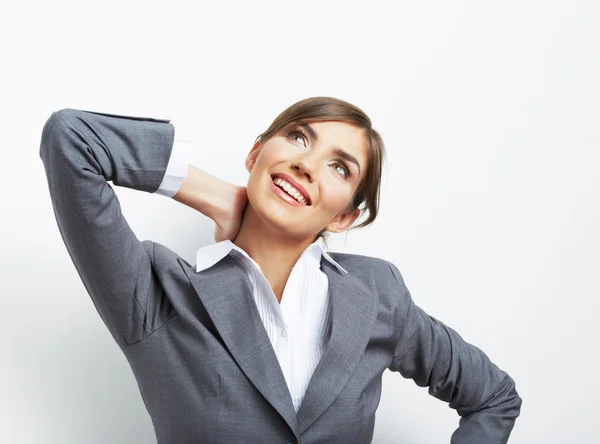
x: 295, y: 184
x: 285, y: 196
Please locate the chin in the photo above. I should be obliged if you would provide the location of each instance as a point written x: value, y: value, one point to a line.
x: 275, y: 213
x: 274, y: 218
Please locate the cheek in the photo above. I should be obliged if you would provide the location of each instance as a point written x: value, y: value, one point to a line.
x: 258, y: 180
x: 335, y: 198
x: 272, y: 153
x: 262, y: 163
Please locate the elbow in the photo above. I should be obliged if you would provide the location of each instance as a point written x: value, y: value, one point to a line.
x: 513, y: 400
x: 54, y: 128
x: 507, y: 401
x: 503, y: 402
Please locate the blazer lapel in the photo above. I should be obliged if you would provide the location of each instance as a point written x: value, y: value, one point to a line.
x: 226, y: 293
x: 353, y: 313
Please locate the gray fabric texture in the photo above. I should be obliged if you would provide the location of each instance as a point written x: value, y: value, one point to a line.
x: 204, y: 365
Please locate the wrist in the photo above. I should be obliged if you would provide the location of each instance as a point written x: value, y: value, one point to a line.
x: 205, y: 193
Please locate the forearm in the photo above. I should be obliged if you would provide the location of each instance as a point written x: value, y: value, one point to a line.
x: 204, y: 192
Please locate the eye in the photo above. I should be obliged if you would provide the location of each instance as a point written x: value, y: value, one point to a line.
x: 296, y: 134
x: 340, y: 164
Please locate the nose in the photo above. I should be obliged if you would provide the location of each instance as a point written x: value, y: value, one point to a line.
x: 304, y: 167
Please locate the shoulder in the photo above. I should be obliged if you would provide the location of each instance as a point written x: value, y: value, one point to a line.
x: 359, y: 265
x: 356, y: 259
x: 377, y: 273
x: 380, y: 278
x: 360, y: 261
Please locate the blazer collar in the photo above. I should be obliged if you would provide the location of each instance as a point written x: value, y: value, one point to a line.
x: 209, y: 255
x: 225, y: 291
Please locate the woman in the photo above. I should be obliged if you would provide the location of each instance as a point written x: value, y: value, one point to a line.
x: 268, y: 338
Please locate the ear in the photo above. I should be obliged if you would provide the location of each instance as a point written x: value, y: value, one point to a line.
x: 252, y: 155
x: 343, y: 221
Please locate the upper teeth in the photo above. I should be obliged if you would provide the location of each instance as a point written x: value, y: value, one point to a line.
x: 290, y: 190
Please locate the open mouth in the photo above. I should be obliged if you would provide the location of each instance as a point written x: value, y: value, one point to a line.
x: 287, y: 192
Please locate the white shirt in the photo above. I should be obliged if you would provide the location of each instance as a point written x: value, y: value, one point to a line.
x: 299, y: 327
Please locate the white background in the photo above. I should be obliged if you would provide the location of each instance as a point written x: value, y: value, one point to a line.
x: 490, y: 114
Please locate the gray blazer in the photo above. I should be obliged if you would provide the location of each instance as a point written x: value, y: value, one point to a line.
x: 195, y: 341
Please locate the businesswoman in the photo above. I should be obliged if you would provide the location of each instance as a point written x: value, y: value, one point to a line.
x: 268, y: 338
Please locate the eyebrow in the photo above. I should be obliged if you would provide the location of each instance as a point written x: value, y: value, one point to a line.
x: 337, y: 149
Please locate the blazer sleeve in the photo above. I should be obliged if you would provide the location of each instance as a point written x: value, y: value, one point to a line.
x: 81, y: 151
x: 435, y: 356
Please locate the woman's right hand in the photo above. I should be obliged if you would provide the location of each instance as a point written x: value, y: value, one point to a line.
x: 229, y: 221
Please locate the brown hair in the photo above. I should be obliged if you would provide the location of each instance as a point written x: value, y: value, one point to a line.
x: 318, y: 109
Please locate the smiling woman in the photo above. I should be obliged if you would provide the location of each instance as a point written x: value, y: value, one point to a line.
x: 268, y: 338
x: 334, y: 134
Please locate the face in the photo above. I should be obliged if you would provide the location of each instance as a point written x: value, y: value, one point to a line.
x: 325, y: 160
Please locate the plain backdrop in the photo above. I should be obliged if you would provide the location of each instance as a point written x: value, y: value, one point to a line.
x: 489, y: 203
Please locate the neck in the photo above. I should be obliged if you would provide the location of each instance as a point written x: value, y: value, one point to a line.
x: 274, y: 252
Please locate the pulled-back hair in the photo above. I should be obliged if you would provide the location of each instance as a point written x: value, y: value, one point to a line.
x: 320, y: 109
